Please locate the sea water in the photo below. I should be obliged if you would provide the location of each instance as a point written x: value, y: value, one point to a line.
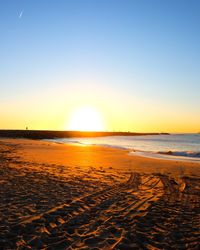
x: 173, y: 146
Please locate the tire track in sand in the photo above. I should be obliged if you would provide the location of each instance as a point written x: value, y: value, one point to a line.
x: 101, y: 218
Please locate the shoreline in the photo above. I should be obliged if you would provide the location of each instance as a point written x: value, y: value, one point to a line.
x: 147, y: 154
x: 88, y: 155
x: 165, y: 156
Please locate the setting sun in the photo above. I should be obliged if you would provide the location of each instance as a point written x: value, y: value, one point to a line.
x: 86, y: 119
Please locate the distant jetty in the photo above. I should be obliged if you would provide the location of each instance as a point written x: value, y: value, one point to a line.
x: 49, y: 134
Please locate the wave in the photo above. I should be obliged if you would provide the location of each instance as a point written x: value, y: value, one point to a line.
x: 181, y: 153
x: 166, y: 156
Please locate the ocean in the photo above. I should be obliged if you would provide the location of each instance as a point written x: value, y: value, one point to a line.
x: 172, y: 147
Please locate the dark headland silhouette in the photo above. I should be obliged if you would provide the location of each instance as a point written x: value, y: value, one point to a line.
x: 50, y: 134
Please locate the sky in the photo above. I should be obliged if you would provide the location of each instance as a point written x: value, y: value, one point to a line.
x: 136, y: 62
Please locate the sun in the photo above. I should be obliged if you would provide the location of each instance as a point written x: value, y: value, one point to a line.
x: 86, y: 119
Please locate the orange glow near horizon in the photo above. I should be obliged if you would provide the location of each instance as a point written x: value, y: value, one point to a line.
x: 90, y: 112
x: 85, y: 118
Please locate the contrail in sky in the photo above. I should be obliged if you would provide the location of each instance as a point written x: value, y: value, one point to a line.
x: 21, y: 13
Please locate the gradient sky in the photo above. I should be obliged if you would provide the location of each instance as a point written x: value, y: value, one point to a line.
x: 137, y: 62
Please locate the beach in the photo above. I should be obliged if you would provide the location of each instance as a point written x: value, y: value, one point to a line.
x: 57, y: 196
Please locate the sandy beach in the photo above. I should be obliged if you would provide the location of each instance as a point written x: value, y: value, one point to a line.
x: 56, y: 196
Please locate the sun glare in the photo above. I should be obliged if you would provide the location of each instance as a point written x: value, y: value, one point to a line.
x: 86, y: 119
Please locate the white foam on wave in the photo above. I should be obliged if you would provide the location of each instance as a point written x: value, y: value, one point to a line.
x: 181, y: 153
x: 164, y: 156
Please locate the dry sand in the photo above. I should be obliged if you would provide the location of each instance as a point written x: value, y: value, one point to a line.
x: 56, y: 196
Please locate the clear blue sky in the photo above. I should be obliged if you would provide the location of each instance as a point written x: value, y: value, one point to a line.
x: 142, y: 54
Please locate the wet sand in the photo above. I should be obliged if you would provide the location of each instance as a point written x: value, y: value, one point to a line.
x: 56, y: 196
